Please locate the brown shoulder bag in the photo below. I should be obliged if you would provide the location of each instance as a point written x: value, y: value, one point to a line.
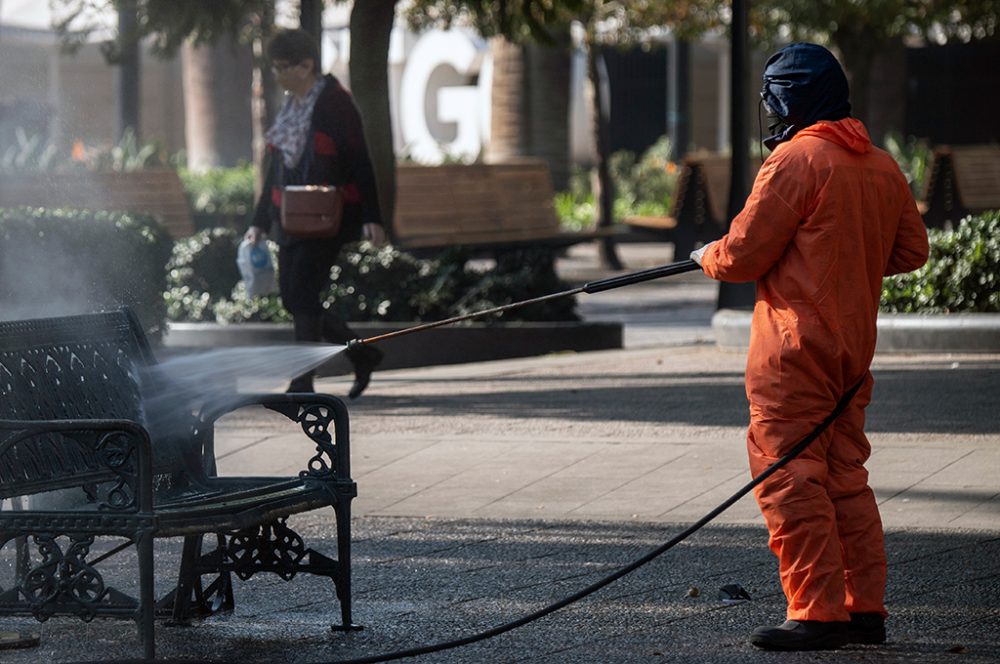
x: 311, y: 210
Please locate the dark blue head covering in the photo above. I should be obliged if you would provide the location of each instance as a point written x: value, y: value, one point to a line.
x: 803, y: 84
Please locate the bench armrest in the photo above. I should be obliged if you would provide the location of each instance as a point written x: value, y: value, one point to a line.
x: 314, y: 412
x: 77, y: 452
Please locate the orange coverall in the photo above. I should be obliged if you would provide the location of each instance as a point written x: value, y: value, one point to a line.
x: 828, y: 216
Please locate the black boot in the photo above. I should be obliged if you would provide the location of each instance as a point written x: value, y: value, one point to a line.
x: 866, y: 628
x: 363, y: 358
x: 801, y: 635
x: 307, y: 328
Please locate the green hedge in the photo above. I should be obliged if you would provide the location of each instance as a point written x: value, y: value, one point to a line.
x: 206, y: 262
x: 60, y: 261
x: 961, y: 275
x: 225, y: 191
x: 368, y: 284
x: 202, y: 270
x: 644, y: 185
x: 385, y: 284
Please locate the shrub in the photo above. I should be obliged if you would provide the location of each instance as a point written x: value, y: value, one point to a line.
x: 60, y: 261
x: 961, y: 275
x: 128, y: 155
x: 575, y: 212
x: 201, y: 271
x: 385, y: 284
x: 220, y: 191
x: 913, y: 157
x: 646, y: 186
x: 520, y: 274
x: 206, y: 262
x: 240, y: 308
x: 643, y: 187
x: 381, y: 284
x: 27, y: 153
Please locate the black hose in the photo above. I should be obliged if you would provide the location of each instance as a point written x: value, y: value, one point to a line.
x: 594, y: 587
x: 631, y: 567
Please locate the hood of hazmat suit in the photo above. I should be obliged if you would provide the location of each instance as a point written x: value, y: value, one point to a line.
x: 803, y: 83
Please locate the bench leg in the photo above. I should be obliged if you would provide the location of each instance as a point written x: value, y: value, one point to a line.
x: 180, y: 612
x: 190, y: 597
x: 144, y: 546
x: 343, y: 585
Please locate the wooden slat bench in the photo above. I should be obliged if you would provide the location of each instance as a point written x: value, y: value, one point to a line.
x: 480, y: 205
x: 698, y: 213
x: 155, y: 191
x: 963, y: 180
x: 73, y: 419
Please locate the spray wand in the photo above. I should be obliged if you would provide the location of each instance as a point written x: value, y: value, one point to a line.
x: 591, y: 287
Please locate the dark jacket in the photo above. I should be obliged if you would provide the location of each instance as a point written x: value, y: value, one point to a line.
x: 335, y: 154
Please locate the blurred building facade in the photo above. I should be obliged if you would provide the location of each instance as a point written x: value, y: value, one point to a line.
x: 441, y: 86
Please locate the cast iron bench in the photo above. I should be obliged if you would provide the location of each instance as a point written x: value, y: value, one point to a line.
x: 480, y: 205
x: 72, y: 419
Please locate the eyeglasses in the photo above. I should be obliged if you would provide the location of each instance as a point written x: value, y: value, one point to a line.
x: 280, y: 67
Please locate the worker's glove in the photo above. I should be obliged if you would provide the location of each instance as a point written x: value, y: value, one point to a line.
x: 697, y: 254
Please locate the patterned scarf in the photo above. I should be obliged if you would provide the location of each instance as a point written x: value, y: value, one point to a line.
x: 291, y: 127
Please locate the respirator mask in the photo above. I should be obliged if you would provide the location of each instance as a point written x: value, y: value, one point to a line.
x: 775, y: 123
x: 776, y: 126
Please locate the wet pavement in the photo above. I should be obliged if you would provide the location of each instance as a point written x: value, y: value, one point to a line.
x: 488, y: 491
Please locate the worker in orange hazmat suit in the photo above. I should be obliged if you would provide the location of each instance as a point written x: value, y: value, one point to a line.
x: 828, y: 216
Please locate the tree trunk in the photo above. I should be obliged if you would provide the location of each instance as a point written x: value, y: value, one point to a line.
x: 679, y: 99
x: 311, y: 20
x: 530, y: 104
x: 858, y: 55
x: 603, y: 187
x: 218, y: 130
x: 128, y: 80
x: 264, y: 96
x: 371, y: 25
x: 548, y: 104
x: 509, y: 122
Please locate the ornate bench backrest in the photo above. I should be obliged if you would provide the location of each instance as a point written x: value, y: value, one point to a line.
x: 73, y: 367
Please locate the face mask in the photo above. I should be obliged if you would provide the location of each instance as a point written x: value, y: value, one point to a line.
x: 775, y: 123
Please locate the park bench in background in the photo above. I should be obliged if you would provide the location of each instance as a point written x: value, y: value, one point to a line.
x: 698, y: 214
x: 480, y: 205
x: 963, y: 180
x: 73, y: 420
x: 155, y: 191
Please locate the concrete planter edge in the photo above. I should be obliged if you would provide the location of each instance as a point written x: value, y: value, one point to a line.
x: 897, y: 333
x: 445, y: 345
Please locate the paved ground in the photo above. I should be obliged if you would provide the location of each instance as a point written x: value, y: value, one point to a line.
x: 487, y: 491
